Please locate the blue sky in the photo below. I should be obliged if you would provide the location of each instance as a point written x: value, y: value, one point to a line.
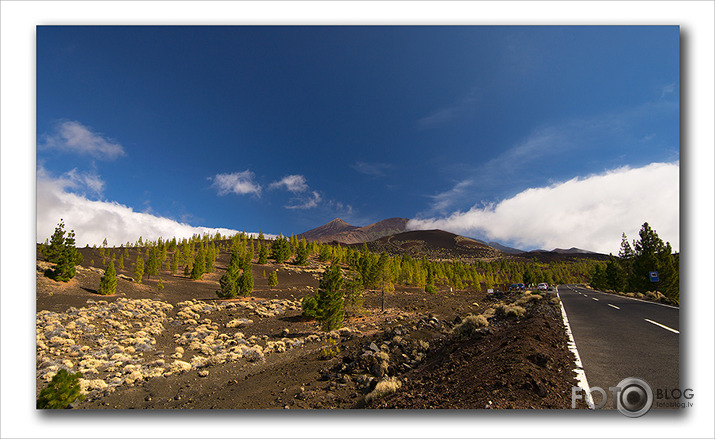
x: 533, y: 136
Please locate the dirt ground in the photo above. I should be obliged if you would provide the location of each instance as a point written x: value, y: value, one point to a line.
x: 182, y: 347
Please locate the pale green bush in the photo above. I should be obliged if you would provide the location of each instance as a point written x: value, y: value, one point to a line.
x: 383, y: 388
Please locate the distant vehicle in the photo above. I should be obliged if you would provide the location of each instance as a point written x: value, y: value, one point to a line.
x: 521, y: 286
x: 514, y: 287
x: 543, y: 286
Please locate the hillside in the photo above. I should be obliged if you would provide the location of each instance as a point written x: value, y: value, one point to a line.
x: 560, y: 256
x: 434, y: 244
x: 179, y: 347
x: 344, y: 233
x: 326, y: 232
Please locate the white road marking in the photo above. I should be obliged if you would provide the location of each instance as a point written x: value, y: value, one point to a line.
x: 594, y: 299
x: 613, y: 306
x: 580, y: 373
x: 641, y: 300
x: 662, y: 326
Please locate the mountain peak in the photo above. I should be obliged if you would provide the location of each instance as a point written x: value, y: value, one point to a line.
x: 339, y: 230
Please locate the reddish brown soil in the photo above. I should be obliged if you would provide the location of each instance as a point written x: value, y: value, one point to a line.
x: 521, y: 363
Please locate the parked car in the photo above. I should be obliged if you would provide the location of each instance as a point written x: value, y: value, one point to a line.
x: 521, y: 286
x: 542, y: 286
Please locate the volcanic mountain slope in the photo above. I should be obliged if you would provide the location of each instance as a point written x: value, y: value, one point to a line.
x: 560, y: 256
x: 434, y: 244
x: 340, y: 231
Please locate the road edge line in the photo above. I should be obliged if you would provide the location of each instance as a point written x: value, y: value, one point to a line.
x: 580, y: 373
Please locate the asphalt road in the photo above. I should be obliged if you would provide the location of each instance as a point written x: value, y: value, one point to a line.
x: 618, y: 337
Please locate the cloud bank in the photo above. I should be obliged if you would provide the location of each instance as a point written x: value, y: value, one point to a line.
x: 73, y: 137
x: 93, y: 221
x: 590, y: 213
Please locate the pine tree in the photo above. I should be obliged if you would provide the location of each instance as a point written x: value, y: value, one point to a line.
x: 325, y: 253
x: 229, y: 281
x: 139, y: 269
x: 293, y: 243
x: 273, y: 279
x: 652, y: 254
x: 160, y: 285
x: 245, y: 280
x: 62, y: 391
x: 429, y: 287
x: 280, y: 249
x: 199, y: 267
x: 174, y: 263
x: 262, y: 253
x: 63, y: 253
x: 330, y: 299
x: 120, y: 262
x: 615, y: 276
x: 301, y: 253
x: 210, y: 259
x: 152, y: 265
x: 108, y: 283
x: 56, y: 245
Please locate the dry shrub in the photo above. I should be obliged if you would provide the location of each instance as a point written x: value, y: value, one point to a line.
x: 655, y: 295
x: 470, y: 324
x: 383, y: 388
x: 507, y: 311
x: 527, y: 298
x: 489, y: 313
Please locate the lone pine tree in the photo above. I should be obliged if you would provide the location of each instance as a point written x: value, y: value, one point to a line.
x: 330, y: 299
x: 108, y: 283
x: 273, y: 279
x: 229, y: 281
x: 63, y: 253
x: 327, y: 304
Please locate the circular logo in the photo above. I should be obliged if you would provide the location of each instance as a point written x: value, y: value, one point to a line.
x: 635, y: 397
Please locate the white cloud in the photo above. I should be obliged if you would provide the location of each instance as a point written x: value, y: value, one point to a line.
x: 72, y: 136
x: 451, y: 112
x: 305, y: 202
x: 589, y: 213
x: 372, y: 169
x: 292, y: 183
x: 444, y: 200
x: 77, y: 181
x: 547, y: 147
x: 93, y: 221
x: 239, y: 183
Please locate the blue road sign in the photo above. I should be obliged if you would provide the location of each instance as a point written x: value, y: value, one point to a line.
x: 654, y: 276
